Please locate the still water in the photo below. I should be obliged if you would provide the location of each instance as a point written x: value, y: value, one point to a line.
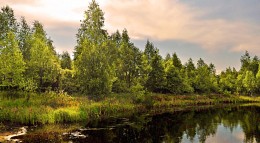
x: 211, y: 125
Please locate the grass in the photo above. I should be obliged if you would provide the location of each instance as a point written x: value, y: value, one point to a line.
x: 51, y: 107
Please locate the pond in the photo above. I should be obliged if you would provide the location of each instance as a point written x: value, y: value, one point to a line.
x: 229, y: 124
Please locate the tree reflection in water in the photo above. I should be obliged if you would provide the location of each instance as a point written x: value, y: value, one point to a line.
x: 229, y: 124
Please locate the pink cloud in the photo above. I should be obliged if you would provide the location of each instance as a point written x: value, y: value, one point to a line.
x: 156, y: 20
x: 172, y: 19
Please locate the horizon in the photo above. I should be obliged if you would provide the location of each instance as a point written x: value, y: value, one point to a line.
x: 219, y: 32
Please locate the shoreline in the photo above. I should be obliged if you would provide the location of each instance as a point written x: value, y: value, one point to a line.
x: 52, y: 108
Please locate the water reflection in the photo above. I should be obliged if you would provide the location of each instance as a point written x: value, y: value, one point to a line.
x: 225, y: 125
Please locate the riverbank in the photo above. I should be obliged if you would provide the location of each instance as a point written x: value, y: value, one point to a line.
x: 49, y: 108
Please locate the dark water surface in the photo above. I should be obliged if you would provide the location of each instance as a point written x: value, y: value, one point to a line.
x: 213, y: 125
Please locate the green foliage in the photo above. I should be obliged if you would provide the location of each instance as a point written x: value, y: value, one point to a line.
x: 258, y: 81
x: 156, y: 78
x: 202, y: 79
x: 245, y: 61
x: 190, y: 73
x: 227, y: 81
x: 249, y: 82
x: 52, y: 107
x: 66, y: 62
x: 127, y: 65
x: 150, y: 51
x: 254, y: 65
x: 186, y: 82
x: 7, y: 22
x: 173, y: 80
x: 94, y: 69
x: 176, y: 61
x: 94, y: 73
x: 68, y: 81
x: 43, y: 66
x: 144, y: 70
x: 239, y: 83
x: 91, y: 28
x: 11, y: 61
x: 177, y: 80
x: 24, y: 39
x: 105, y: 63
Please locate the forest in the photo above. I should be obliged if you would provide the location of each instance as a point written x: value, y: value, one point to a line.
x: 106, y: 63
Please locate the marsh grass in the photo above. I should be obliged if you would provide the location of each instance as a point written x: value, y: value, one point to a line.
x: 51, y: 107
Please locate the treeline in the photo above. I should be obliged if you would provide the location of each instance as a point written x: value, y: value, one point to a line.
x: 105, y: 63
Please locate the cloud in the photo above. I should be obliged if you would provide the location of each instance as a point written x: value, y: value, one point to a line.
x: 21, y: 2
x: 60, y: 18
x: 175, y: 20
x: 64, y: 37
x: 157, y: 20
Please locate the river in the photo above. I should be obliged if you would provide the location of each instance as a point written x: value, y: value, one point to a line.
x: 229, y: 124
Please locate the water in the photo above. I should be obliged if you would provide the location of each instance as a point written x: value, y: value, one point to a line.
x: 214, y: 125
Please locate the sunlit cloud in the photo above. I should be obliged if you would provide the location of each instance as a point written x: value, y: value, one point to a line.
x: 20, y: 2
x: 60, y: 18
x: 163, y: 20
x: 175, y: 20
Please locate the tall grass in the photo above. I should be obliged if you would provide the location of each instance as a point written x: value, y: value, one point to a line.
x: 51, y: 107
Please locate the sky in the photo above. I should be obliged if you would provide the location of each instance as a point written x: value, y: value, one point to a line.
x: 218, y: 31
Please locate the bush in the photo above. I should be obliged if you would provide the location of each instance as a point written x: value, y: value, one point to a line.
x: 227, y: 93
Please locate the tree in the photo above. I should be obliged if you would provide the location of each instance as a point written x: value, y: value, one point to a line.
x: 205, y: 80
x: 239, y: 83
x: 187, y: 83
x: 7, y: 22
x: 92, y: 56
x: 51, y: 46
x: 254, y: 65
x: 167, y: 62
x: 144, y: 70
x: 249, y: 82
x: 68, y: 82
x: 44, y: 66
x: 91, y: 28
x: 189, y: 66
x: 24, y: 39
x: 11, y: 61
x: 150, y: 51
x: 176, y: 61
x: 190, y: 72
x: 127, y: 63
x: 156, y: 78
x: 93, y: 71
x: 201, y: 63
x: 117, y: 38
x: 258, y: 81
x: 66, y: 62
x: 177, y: 81
x: 130, y: 61
x: 202, y: 79
x: 173, y: 80
x: 146, y: 63
x: 213, y: 79
x: 168, y: 57
x: 227, y: 81
x: 245, y: 61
